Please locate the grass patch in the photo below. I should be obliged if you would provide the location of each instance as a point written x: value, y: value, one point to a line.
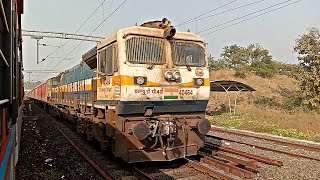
x: 251, y: 123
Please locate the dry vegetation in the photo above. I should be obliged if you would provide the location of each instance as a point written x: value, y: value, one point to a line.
x: 268, y: 109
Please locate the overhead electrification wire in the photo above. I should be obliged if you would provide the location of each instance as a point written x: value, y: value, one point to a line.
x: 195, y: 18
x: 241, y: 17
x: 267, y: 12
x: 62, y: 45
x: 94, y: 30
x: 228, y: 10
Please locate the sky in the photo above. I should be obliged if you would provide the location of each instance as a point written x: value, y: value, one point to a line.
x: 275, y: 31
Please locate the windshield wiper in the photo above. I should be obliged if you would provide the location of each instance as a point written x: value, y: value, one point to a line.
x: 151, y: 66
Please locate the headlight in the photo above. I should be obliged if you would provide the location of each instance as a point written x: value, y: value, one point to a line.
x: 140, y: 80
x: 177, y: 75
x: 198, y: 81
x: 141, y: 131
x: 168, y: 75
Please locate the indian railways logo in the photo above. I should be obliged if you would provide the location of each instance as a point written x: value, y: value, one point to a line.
x: 199, y: 72
x: 106, y: 82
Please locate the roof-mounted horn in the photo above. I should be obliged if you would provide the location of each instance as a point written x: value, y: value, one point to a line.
x: 165, y: 24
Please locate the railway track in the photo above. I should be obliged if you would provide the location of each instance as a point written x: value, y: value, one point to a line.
x: 246, y: 167
x: 212, y: 163
x: 91, y: 161
x: 275, y: 141
x: 204, y: 166
x: 106, y: 166
x: 198, y: 165
x: 100, y: 167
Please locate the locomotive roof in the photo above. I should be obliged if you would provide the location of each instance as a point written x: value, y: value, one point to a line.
x: 156, y: 32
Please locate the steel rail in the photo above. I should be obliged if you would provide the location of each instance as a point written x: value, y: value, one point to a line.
x: 211, y: 172
x: 249, y: 163
x: 92, y: 162
x: 274, y: 150
x: 247, y: 155
x: 295, y: 145
x: 229, y: 167
x: 140, y: 174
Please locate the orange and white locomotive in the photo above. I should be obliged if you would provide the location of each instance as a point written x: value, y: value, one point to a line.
x: 142, y: 91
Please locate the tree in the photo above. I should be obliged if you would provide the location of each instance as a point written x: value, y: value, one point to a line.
x: 261, y: 61
x: 235, y: 56
x: 308, y: 48
x: 216, y: 64
x: 251, y: 58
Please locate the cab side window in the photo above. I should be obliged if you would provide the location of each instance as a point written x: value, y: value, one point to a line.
x: 108, y: 60
x: 102, y: 61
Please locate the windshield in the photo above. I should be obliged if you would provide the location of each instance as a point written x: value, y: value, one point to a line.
x: 145, y: 50
x: 184, y: 53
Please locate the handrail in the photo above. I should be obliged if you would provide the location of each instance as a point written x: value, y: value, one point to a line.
x: 2, y: 102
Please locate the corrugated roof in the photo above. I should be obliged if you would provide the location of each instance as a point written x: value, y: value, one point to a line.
x: 229, y: 85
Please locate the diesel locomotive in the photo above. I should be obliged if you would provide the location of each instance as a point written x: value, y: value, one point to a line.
x: 142, y: 92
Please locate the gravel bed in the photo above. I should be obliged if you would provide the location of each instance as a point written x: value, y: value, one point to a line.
x: 46, y: 154
x: 106, y: 160
x: 293, y: 168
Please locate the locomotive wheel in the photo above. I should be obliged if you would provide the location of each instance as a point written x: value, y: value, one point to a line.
x: 79, y: 127
x: 103, y: 146
x: 89, y: 136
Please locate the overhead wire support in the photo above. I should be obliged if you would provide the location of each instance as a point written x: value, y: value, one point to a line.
x: 252, y: 17
x: 60, y: 35
x: 241, y: 17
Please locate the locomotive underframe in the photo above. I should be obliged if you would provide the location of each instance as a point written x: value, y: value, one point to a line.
x: 116, y: 132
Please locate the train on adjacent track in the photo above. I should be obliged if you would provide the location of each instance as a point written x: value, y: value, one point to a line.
x: 142, y: 92
x: 11, y: 86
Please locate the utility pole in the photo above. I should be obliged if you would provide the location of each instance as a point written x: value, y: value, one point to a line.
x: 38, y: 38
x: 29, y: 80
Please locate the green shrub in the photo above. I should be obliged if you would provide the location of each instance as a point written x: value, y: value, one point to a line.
x: 217, y: 64
x: 240, y: 73
x: 266, y: 101
x: 263, y: 69
x: 293, y: 101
